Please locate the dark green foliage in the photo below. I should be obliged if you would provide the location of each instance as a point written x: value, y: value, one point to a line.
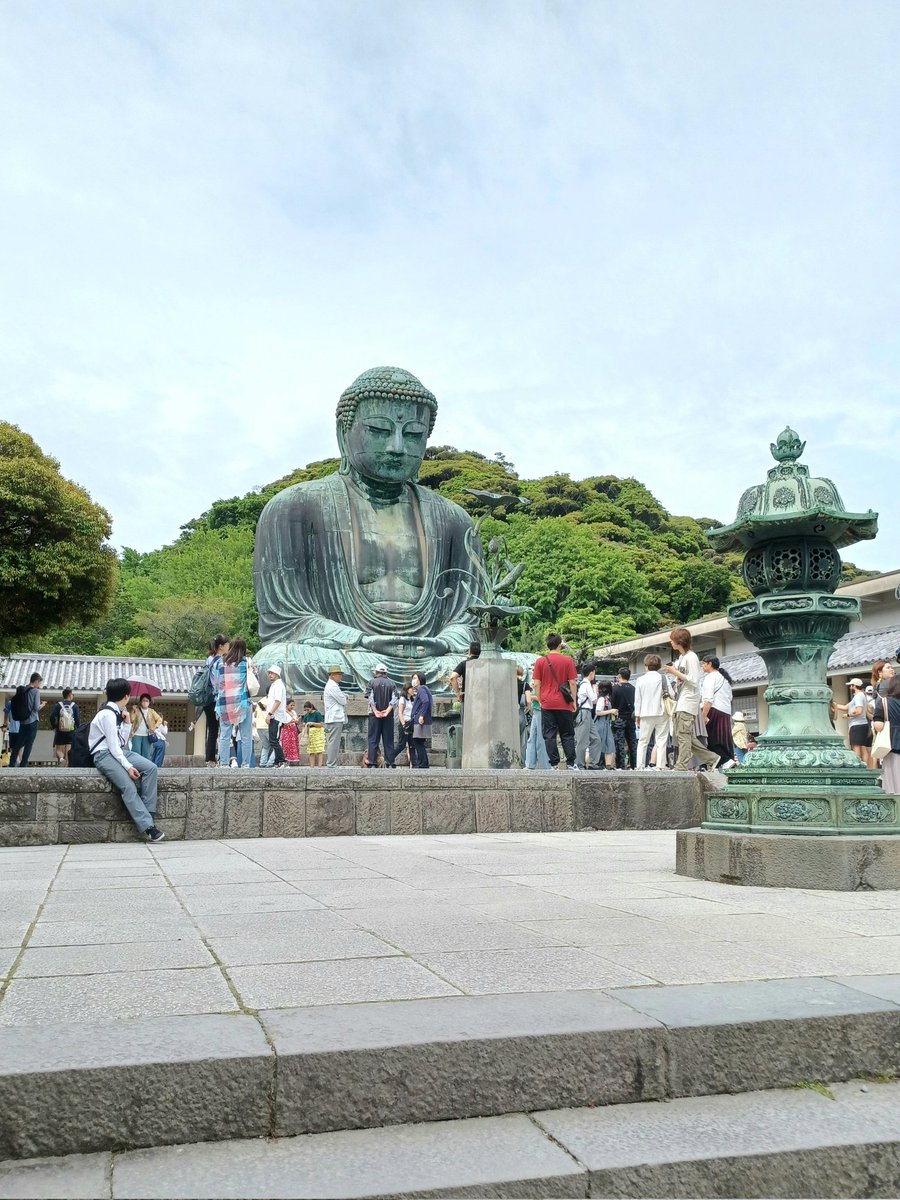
x: 55, y: 565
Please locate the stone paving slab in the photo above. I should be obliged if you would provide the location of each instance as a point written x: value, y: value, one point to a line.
x: 143, y: 1082
x: 449, y: 1058
x: 493, y: 1156
x: 782, y: 1143
x: 777, y: 1143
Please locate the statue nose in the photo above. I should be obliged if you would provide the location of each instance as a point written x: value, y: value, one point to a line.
x: 395, y: 443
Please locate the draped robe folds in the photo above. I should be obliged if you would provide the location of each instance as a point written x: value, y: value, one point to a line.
x: 312, y: 611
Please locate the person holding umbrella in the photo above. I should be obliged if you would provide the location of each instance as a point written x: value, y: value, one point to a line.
x: 144, y: 723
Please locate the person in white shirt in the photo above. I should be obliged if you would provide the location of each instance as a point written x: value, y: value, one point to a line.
x: 335, y: 704
x: 716, y: 696
x: 107, y: 738
x: 686, y: 672
x: 587, y: 739
x: 276, y: 715
x: 650, y: 713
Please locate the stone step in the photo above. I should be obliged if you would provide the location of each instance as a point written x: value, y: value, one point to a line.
x: 161, y: 1081
x: 832, y: 1142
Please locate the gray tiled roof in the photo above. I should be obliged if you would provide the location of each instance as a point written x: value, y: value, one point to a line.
x: 855, y: 651
x: 84, y: 673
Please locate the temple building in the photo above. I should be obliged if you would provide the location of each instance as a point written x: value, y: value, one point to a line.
x: 876, y: 635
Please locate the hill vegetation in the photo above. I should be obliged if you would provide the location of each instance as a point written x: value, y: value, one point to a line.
x: 605, y: 561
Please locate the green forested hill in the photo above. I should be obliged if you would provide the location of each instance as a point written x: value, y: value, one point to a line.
x: 605, y: 561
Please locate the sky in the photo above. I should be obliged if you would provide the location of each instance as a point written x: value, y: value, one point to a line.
x: 626, y: 238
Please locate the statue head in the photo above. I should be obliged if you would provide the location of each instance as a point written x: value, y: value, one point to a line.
x: 384, y: 420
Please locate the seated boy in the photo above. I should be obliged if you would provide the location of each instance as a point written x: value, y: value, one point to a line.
x: 107, y: 741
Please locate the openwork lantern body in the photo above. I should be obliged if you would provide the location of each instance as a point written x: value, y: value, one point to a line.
x: 801, y: 778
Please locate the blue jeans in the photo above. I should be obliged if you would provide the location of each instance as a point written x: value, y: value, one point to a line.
x: 141, y: 805
x: 243, y: 730
x: 157, y: 752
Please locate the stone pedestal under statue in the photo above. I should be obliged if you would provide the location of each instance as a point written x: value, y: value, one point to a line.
x: 491, y: 738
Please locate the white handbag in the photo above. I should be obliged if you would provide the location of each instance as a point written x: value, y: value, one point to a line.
x: 881, y: 742
x: 252, y: 679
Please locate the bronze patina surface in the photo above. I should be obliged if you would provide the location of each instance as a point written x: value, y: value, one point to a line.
x: 801, y: 778
x: 366, y: 566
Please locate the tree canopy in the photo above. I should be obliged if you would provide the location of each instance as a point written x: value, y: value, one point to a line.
x: 604, y: 561
x: 55, y: 564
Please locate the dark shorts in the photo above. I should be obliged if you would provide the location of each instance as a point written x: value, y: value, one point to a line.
x: 63, y: 739
x: 861, y: 735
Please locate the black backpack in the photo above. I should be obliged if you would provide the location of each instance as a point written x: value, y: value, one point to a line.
x: 18, y: 707
x: 81, y: 752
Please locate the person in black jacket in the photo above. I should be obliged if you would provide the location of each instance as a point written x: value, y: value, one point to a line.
x: 624, y: 730
x: 381, y: 692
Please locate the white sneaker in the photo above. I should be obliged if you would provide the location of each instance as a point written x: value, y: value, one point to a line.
x: 726, y: 766
x: 233, y: 763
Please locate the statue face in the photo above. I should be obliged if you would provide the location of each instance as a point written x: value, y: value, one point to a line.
x: 387, y: 439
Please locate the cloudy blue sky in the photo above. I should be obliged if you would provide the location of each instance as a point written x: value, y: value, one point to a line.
x: 630, y: 237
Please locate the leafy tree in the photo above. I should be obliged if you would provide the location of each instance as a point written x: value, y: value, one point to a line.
x: 181, y: 626
x: 55, y: 565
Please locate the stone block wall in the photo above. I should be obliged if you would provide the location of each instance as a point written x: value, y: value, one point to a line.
x: 45, y: 807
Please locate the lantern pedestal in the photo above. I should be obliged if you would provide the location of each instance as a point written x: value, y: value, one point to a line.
x: 831, y: 862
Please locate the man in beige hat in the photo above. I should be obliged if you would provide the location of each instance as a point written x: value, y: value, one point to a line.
x: 335, y: 704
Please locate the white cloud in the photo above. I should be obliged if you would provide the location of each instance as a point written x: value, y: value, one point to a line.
x: 621, y: 238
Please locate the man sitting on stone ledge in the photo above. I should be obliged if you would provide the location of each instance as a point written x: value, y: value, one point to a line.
x: 107, y: 741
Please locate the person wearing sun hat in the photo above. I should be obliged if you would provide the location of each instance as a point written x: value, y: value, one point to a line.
x: 739, y: 735
x: 335, y: 704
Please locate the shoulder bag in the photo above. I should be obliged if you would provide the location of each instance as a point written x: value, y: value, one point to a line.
x: 881, y: 743
x: 252, y: 679
x: 564, y: 690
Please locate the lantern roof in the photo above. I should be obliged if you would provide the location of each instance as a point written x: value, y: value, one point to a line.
x: 792, y: 502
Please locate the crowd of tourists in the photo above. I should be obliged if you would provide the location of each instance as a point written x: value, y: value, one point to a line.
x: 676, y: 715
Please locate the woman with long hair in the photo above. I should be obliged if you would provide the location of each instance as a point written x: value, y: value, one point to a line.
x: 883, y: 671
x: 717, y: 692
x: 233, y: 708
x: 604, y: 715
x: 290, y: 735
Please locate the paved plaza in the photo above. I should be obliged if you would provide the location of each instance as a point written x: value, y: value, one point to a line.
x: 118, y: 931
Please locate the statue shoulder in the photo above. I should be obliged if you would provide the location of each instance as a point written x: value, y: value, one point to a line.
x: 312, y: 494
x: 446, y: 511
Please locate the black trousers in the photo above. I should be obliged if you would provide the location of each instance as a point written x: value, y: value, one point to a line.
x: 625, y: 736
x: 275, y: 743
x: 212, y: 733
x: 558, y: 722
x: 381, y: 728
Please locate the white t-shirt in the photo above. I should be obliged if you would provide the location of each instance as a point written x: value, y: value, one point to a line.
x: 277, y: 691
x: 856, y: 709
x: 335, y: 702
x: 587, y: 695
x: 717, y: 691
x: 689, y: 688
x: 648, y: 694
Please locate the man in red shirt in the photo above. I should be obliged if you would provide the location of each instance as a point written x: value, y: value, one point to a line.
x: 551, y: 674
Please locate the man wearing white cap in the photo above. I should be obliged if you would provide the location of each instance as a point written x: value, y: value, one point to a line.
x: 276, y: 715
x: 858, y: 720
x: 381, y: 692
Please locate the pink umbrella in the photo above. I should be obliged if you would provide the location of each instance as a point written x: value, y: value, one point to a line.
x: 142, y: 686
